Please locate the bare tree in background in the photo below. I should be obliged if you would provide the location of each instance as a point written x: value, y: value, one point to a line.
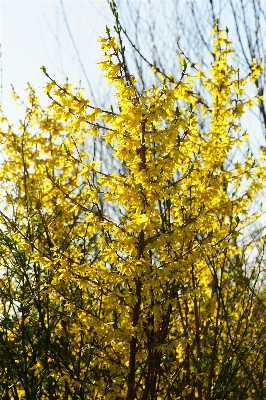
x: 160, y: 29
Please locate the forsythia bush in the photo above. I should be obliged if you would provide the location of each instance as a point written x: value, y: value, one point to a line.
x: 134, y: 283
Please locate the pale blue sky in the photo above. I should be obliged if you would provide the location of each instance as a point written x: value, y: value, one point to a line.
x: 34, y: 33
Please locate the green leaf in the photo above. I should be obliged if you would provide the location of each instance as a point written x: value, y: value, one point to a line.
x: 168, y: 203
x: 177, y: 112
x: 40, y: 229
x: 140, y: 188
x: 201, y: 207
x: 106, y: 237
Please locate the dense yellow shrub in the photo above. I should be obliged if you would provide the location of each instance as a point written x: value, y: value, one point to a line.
x: 131, y: 284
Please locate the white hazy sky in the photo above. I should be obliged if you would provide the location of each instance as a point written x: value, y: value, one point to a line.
x: 34, y: 33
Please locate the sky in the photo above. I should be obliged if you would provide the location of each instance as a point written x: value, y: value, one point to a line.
x: 34, y: 33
